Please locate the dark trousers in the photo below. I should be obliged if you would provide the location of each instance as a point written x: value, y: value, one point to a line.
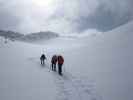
x: 60, y: 69
x: 53, y: 67
x: 42, y: 62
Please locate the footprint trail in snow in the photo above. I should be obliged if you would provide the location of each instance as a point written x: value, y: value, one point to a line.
x: 70, y: 87
x: 75, y: 88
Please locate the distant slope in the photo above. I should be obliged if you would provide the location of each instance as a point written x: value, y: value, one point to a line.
x: 126, y: 28
x: 33, y: 37
x: 10, y: 35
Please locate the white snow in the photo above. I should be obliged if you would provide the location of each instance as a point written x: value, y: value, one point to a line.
x: 96, y: 68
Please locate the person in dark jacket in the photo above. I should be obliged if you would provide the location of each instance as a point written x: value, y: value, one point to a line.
x: 42, y: 58
x: 60, y: 63
x: 53, y: 62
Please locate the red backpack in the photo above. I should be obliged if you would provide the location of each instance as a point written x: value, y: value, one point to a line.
x: 60, y: 60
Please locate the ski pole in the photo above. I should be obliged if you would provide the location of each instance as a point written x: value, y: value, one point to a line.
x: 64, y: 68
x: 50, y: 67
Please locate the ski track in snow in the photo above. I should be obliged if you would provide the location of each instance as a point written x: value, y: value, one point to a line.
x: 75, y: 88
x: 71, y: 87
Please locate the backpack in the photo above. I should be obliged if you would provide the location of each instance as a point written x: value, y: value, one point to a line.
x: 54, y: 59
x: 60, y: 60
x: 43, y: 57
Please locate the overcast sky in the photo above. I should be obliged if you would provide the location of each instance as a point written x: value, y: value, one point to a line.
x: 64, y: 16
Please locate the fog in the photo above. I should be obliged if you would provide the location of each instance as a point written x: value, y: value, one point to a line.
x: 64, y: 16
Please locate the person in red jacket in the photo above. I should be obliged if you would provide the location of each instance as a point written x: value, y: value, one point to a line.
x: 60, y: 63
x: 53, y: 62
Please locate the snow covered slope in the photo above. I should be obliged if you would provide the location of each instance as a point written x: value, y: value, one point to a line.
x: 107, y: 60
x: 21, y: 75
x: 95, y: 68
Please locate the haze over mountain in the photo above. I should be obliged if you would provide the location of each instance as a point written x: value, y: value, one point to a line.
x: 32, y: 37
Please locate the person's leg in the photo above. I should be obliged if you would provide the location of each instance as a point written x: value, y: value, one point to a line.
x: 60, y: 69
x: 54, y: 67
x: 41, y: 62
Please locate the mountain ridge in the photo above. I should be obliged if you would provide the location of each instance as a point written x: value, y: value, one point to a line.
x: 29, y: 37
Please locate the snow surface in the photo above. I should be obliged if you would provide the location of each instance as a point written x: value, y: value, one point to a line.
x: 96, y: 68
